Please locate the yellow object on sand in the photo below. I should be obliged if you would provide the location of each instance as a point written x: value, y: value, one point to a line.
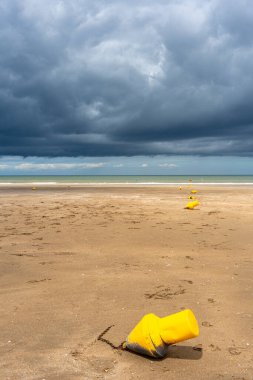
x: 191, y: 205
x: 34, y: 188
x: 191, y: 197
x: 180, y: 188
x: 194, y: 191
x: 153, y: 335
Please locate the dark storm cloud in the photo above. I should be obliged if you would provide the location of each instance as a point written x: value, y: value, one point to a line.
x: 126, y: 77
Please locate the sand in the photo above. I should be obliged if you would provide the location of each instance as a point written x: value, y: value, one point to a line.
x: 75, y: 261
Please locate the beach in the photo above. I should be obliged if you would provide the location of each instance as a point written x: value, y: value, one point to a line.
x: 76, y: 260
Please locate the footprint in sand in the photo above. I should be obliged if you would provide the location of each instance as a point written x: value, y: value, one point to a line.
x: 188, y: 281
x: 22, y: 254
x: 206, y: 324
x: 165, y: 293
x: 35, y: 281
x: 214, y: 348
x: 234, y: 351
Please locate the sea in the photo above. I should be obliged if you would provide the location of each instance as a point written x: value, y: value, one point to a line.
x: 127, y: 179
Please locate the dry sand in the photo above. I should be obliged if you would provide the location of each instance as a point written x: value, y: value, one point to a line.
x: 75, y: 261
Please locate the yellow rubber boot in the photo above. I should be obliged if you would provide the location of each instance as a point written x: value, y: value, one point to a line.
x: 153, y: 335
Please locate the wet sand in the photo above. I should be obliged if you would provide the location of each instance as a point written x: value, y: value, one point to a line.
x: 75, y: 261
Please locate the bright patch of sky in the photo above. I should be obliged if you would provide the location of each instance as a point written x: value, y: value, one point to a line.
x: 136, y: 165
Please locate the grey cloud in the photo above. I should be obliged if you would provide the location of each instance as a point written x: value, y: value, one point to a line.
x: 87, y: 78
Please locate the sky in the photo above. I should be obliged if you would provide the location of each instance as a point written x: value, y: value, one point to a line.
x: 126, y: 87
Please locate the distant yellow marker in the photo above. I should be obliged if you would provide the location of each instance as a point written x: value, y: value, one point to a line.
x: 34, y: 188
x: 191, y: 205
x: 194, y: 191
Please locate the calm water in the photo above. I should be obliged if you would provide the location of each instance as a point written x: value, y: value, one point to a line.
x: 179, y: 179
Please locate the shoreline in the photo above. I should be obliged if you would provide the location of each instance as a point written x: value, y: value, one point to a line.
x: 123, y: 184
